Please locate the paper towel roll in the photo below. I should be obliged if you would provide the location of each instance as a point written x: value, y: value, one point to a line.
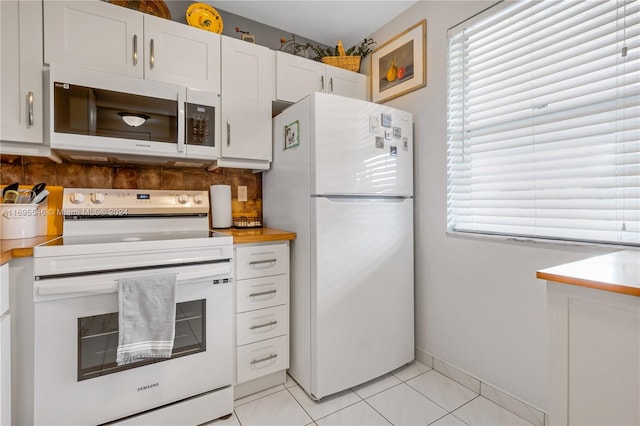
x: 221, y: 206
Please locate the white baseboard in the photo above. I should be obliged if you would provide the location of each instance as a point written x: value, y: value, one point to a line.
x: 509, y: 402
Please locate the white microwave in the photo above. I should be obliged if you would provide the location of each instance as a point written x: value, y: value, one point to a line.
x: 93, y: 115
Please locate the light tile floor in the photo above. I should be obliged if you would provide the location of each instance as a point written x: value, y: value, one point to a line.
x: 412, y: 395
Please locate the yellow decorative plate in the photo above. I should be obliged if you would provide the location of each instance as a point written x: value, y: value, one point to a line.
x: 203, y: 16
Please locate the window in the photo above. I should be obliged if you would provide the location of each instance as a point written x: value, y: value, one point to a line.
x: 544, y: 121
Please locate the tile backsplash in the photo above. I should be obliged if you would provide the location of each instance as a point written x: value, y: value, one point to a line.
x: 31, y: 170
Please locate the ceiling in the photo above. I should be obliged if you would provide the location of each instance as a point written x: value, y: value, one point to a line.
x: 322, y: 21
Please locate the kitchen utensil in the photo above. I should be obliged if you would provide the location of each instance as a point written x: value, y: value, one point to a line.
x: 25, y: 196
x: 37, y: 188
x: 10, y: 197
x: 11, y: 187
x: 40, y: 197
x: 22, y: 196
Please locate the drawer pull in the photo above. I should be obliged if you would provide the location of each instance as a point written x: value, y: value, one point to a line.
x: 260, y: 262
x: 267, y: 358
x: 263, y: 293
x: 266, y: 324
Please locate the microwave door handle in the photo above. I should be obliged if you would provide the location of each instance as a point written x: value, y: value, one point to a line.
x: 181, y: 121
x: 92, y: 112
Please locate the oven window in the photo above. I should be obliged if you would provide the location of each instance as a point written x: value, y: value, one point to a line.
x: 98, y: 340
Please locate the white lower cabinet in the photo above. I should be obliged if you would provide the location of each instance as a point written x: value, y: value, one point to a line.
x: 262, y: 324
x: 595, y: 356
x: 262, y: 358
x: 262, y: 316
x: 5, y: 348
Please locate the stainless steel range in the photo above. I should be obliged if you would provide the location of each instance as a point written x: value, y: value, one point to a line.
x: 69, y: 373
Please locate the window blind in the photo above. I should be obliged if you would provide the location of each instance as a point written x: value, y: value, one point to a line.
x: 544, y: 121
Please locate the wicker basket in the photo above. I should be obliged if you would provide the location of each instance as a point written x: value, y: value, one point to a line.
x: 351, y: 63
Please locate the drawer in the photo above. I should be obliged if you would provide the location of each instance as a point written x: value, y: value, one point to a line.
x: 264, y: 292
x: 262, y: 358
x: 260, y: 261
x: 262, y: 324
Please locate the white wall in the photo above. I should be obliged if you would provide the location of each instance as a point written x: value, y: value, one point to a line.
x: 479, y: 305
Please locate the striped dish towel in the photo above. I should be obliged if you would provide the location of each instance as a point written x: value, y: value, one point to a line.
x: 146, y: 318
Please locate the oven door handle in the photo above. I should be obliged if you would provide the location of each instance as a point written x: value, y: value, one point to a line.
x: 111, y: 286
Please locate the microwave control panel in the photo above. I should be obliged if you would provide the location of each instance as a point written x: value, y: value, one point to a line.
x: 199, y: 127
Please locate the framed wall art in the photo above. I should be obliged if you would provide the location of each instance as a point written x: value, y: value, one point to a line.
x: 399, y: 66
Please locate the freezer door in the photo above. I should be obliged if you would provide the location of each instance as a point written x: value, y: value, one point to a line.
x: 360, y: 147
x: 361, y: 291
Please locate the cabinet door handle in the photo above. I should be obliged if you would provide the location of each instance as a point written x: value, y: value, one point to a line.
x: 331, y: 85
x: 322, y: 82
x: 135, y: 50
x: 152, y: 58
x: 30, y: 118
x: 266, y: 358
x: 228, y: 133
x: 263, y: 293
x: 260, y: 262
x: 266, y: 324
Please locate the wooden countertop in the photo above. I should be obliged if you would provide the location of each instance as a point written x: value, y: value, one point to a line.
x: 257, y: 235
x: 10, y: 249
x: 617, y: 272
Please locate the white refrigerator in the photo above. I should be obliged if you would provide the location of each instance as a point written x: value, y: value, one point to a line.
x: 342, y: 179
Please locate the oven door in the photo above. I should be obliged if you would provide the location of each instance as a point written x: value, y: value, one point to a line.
x: 76, y: 378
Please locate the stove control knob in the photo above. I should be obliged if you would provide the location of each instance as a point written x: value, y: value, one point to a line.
x: 77, y: 197
x: 183, y: 198
x: 97, y: 198
x: 198, y: 199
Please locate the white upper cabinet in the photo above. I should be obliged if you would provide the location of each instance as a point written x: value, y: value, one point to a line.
x: 297, y: 77
x: 106, y: 37
x: 178, y: 53
x: 345, y: 83
x: 21, y: 113
x: 247, y: 93
x: 94, y: 34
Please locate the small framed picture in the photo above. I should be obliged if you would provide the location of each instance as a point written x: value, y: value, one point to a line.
x: 292, y: 135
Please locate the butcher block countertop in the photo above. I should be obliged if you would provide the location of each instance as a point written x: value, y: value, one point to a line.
x: 617, y: 272
x: 257, y: 235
